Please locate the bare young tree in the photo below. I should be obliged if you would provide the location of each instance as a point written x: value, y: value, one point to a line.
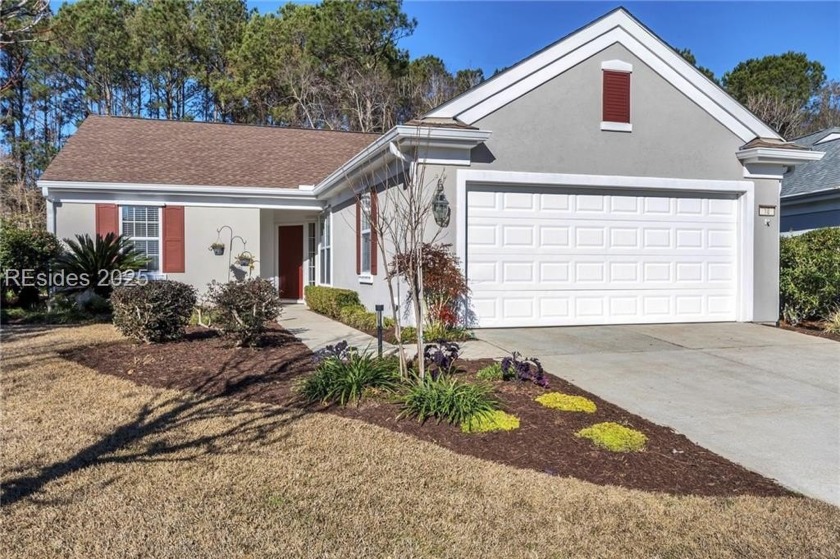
x: 396, y: 197
x: 785, y: 116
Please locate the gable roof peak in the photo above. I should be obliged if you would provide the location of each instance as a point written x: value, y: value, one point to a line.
x: 616, y: 26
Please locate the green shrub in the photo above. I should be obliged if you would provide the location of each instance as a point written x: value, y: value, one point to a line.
x: 490, y: 372
x: 330, y: 300
x: 493, y: 421
x: 434, y: 333
x: 614, y: 437
x: 446, y: 398
x: 25, y: 249
x: 832, y: 322
x: 101, y: 260
x: 346, y: 380
x: 566, y: 402
x: 809, y: 275
x: 243, y: 309
x: 155, y: 312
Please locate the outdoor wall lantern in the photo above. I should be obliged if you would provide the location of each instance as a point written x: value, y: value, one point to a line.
x: 440, y: 206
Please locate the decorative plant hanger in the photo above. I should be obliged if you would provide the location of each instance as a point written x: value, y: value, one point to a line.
x: 244, y: 259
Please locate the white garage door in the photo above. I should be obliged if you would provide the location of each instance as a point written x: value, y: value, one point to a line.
x: 549, y: 257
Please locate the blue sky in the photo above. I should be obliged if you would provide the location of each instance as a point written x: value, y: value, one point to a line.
x: 491, y: 35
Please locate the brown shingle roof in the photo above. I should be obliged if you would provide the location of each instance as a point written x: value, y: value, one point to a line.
x: 133, y: 150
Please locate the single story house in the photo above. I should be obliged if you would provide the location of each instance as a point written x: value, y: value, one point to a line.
x: 602, y: 180
x: 811, y: 192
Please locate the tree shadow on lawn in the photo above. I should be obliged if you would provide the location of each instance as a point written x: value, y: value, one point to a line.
x: 148, y: 429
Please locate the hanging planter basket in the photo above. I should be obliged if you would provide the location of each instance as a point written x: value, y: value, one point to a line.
x: 245, y: 260
x: 218, y: 249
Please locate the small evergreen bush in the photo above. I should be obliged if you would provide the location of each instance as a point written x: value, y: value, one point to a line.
x: 493, y: 421
x: 25, y: 249
x: 809, y: 275
x: 243, y: 309
x: 614, y: 437
x: 330, y: 300
x: 566, y: 402
x: 155, y: 312
x: 445, y: 398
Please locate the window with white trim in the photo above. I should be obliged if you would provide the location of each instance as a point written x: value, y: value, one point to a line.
x: 324, y: 249
x: 312, y: 252
x: 364, y: 231
x: 141, y: 224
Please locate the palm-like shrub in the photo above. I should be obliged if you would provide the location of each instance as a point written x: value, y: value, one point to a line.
x: 343, y: 376
x: 99, y: 261
x: 446, y: 398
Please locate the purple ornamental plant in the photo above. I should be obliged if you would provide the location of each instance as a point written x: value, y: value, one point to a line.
x: 524, y: 369
x: 342, y: 351
x: 440, y: 357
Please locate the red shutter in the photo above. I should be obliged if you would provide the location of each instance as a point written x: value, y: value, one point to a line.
x: 616, y: 96
x: 106, y: 219
x: 358, y: 237
x: 374, y: 222
x: 173, y: 239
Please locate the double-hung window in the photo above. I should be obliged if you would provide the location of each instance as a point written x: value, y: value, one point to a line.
x: 141, y: 224
x: 365, y: 233
x: 324, y: 249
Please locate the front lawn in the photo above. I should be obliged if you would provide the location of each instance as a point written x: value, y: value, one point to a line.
x: 95, y: 465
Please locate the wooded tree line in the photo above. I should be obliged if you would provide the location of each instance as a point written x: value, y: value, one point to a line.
x: 334, y: 65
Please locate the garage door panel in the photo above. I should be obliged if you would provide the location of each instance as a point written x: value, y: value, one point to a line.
x: 560, y: 258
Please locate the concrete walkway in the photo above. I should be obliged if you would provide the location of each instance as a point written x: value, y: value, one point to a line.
x: 766, y: 398
x: 318, y: 331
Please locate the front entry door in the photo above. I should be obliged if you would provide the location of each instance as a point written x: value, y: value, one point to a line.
x: 290, y: 263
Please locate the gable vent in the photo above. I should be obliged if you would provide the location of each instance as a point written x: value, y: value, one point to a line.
x: 616, y: 96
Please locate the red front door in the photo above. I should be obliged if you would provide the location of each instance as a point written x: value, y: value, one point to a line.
x: 290, y: 263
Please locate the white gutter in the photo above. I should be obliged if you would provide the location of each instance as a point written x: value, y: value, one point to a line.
x: 196, y: 190
x: 815, y: 193
x: 390, y: 142
x: 778, y: 156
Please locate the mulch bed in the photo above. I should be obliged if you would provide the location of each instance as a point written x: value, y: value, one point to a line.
x: 811, y: 328
x: 206, y: 364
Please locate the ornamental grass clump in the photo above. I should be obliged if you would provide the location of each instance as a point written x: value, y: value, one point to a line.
x: 566, y: 402
x: 490, y: 372
x: 446, y: 399
x: 614, y: 437
x: 493, y: 421
x: 343, y: 375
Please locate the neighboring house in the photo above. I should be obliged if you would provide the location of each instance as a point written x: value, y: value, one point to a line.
x: 603, y: 180
x: 811, y: 192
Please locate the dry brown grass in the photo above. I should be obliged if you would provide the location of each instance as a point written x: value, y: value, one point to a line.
x: 99, y: 467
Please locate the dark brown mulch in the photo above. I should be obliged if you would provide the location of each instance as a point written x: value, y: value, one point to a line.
x: 208, y: 365
x: 811, y: 328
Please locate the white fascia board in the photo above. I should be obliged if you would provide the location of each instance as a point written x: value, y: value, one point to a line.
x: 398, y: 136
x: 235, y: 191
x: 778, y: 156
x: 830, y: 138
x: 618, y: 27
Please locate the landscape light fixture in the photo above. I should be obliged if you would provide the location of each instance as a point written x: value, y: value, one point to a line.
x: 440, y: 206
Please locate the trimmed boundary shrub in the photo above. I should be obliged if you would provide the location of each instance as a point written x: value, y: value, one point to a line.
x: 809, y: 275
x: 155, y: 312
x: 566, y: 402
x: 330, y: 301
x: 344, y: 306
x: 614, y: 437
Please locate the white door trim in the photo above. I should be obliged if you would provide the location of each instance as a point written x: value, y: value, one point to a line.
x: 746, y: 205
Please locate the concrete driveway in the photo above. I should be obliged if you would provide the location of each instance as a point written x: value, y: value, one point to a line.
x: 766, y: 398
